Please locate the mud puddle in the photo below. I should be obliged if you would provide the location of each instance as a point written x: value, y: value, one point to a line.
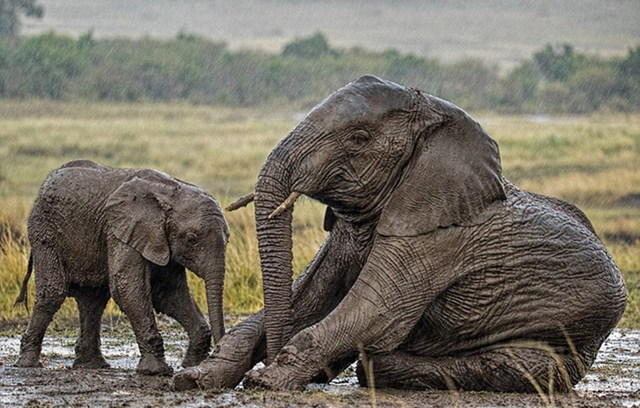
x: 613, y: 381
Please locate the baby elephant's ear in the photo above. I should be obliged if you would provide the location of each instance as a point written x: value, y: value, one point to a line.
x: 136, y: 217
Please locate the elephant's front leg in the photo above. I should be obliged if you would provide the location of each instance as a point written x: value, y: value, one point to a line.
x: 239, y: 350
x: 170, y: 295
x: 377, y: 314
x: 130, y: 284
x: 315, y: 293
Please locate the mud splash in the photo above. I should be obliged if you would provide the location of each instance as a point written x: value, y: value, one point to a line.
x: 613, y: 381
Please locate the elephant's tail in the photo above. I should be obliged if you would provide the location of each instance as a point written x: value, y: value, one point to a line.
x: 22, y: 296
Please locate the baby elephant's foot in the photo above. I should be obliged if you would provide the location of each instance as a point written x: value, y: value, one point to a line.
x: 199, y: 348
x: 94, y: 363
x: 152, y: 365
x: 195, y: 358
x: 28, y: 359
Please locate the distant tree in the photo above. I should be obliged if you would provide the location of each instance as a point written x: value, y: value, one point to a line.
x: 44, y: 65
x: 592, y: 86
x: 313, y: 46
x: 558, y: 63
x: 521, y: 84
x: 630, y: 66
x: 629, y: 76
x: 9, y: 11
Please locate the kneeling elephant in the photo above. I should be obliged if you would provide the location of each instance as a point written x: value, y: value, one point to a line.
x: 437, y: 270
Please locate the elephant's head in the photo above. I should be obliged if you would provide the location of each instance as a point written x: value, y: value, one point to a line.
x: 373, y: 151
x: 168, y: 220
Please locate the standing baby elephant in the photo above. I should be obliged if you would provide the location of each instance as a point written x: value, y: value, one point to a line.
x: 97, y: 232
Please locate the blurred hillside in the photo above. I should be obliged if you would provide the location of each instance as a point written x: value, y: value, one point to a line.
x: 500, y: 32
x: 557, y: 79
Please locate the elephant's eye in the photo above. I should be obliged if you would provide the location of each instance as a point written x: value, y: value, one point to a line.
x: 359, y: 137
x: 192, y: 238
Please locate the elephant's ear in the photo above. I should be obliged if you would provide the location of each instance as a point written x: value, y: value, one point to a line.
x: 455, y: 176
x: 135, y: 215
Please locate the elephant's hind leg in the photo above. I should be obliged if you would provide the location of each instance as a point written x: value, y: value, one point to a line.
x: 91, y: 303
x: 51, y: 291
x: 526, y: 368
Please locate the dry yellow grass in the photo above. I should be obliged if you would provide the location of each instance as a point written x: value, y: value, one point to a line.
x: 219, y: 149
x: 590, y: 161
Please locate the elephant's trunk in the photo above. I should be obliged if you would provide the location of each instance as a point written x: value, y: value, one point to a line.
x: 214, y: 283
x: 275, y: 247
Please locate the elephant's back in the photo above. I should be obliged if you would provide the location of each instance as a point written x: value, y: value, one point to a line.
x: 67, y: 215
x: 565, y: 269
x: 533, y: 272
x: 589, y: 282
x: 74, y: 193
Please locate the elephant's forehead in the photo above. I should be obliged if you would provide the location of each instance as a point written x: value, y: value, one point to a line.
x: 353, y: 103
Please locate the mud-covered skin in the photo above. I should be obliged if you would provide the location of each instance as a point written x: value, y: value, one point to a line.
x: 476, y: 331
x: 466, y: 282
x: 98, y: 232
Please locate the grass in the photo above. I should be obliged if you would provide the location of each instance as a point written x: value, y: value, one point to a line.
x: 219, y: 149
x: 590, y: 161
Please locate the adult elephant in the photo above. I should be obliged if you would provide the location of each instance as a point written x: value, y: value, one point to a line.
x: 97, y: 231
x: 437, y: 269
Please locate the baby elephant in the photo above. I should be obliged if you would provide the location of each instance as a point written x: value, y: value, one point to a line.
x: 97, y: 232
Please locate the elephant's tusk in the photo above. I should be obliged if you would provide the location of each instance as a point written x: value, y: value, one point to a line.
x: 241, y: 202
x: 286, y: 204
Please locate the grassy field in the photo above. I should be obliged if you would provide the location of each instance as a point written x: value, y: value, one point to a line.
x: 590, y: 161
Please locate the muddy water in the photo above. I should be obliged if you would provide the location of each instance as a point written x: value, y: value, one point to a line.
x: 613, y: 381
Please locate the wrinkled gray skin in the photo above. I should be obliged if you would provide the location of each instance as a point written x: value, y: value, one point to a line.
x: 97, y: 232
x: 444, y: 273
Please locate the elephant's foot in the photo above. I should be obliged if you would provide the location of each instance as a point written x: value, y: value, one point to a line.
x: 96, y: 362
x: 193, y: 358
x: 152, y: 365
x: 273, y: 377
x: 199, y: 347
x: 212, y: 373
x: 284, y: 374
x: 29, y: 359
x: 187, y: 379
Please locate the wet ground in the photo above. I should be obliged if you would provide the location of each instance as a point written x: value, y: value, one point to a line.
x: 613, y: 381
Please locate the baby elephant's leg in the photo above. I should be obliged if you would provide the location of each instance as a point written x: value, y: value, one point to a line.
x: 518, y: 367
x: 130, y: 285
x: 170, y: 295
x: 91, y: 304
x: 51, y: 291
